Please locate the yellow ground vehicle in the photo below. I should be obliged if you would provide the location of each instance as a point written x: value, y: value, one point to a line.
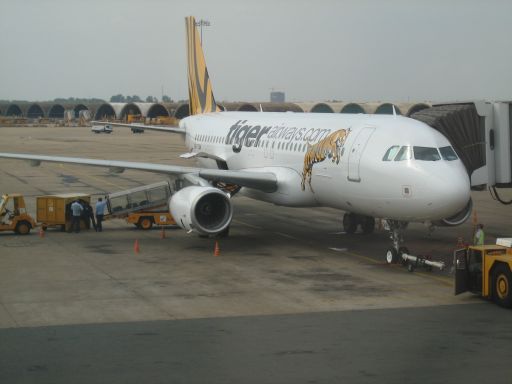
x: 54, y: 210
x: 145, y: 220
x: 142, y: 206
x: 14, y: 216
x: 486, y: 270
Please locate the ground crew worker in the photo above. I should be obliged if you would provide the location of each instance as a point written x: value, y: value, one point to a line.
x: 479, y: 238
x: 76, y: 213
x: 89, y: 215
x: 100, y: 211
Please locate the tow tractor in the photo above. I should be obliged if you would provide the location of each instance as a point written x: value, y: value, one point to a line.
x: 485, y: 270
x: 14, y: 216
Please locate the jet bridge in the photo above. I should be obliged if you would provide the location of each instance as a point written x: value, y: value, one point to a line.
x: 481, y: 134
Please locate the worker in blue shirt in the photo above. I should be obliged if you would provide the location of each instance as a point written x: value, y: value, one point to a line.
x: 76, y: 213
x: 100, y: 211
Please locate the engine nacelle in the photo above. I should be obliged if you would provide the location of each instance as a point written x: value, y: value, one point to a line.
x: 458, y: 218
x: 206, y: 210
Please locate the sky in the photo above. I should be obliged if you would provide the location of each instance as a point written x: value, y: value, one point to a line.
x: 360, y: 50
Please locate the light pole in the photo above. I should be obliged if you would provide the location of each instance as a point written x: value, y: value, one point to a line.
x: 202, y: 23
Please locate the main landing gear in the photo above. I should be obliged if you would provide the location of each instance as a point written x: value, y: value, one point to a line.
x: 352, y: 220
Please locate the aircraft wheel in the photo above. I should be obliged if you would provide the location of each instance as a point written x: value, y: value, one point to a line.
x: 23, y: 228
x: 391, y: 255
x: 349, y: 223
x: 368, y: 225
x: 145, y: 223
x: 502, y: 286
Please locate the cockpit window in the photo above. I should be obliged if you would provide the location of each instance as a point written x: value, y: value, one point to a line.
x: 448, y: 153
x: 391, y: 153
x: 404, y: 153
x: 426, y: 154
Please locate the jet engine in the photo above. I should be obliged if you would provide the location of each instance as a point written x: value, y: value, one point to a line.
x: 458, y: 218
x: 206, y: 210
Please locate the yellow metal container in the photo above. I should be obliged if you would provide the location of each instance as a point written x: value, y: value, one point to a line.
x: 54, y: 209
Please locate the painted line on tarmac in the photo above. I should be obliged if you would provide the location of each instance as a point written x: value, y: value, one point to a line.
x: 247, y: 224
x: 261, y: 228
x: 286, y: 235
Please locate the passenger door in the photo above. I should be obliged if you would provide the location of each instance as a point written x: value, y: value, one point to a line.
x: 461, y: 271
x: 356, y: 152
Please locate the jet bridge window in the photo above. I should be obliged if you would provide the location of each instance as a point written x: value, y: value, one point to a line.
x: 448, y: 153
x: 391, y: 153
x: 426, y: 154
x: 404, y: 153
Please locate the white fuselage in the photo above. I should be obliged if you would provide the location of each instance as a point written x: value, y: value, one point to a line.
x: 350, y: 173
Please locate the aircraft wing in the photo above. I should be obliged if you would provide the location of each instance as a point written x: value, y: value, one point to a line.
x: 263, y: 181
x: 143, y: 126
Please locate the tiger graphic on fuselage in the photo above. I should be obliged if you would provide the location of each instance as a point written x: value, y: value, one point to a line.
x: 330, y: 147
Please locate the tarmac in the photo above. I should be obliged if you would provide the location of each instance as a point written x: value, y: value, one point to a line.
x: 290, y: 298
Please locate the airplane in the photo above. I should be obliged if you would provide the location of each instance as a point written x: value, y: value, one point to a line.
x: 370, y: 166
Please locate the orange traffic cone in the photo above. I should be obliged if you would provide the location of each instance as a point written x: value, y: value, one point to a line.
x: 136, y: 247
x: 41, y: 232
x: 162, y: 233
x: 216, y: 251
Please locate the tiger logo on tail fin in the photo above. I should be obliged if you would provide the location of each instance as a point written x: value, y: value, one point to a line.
x: 200, y: 91
x: 329, y: 148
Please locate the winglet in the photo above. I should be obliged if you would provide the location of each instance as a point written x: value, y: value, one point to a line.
x: 200, y: 91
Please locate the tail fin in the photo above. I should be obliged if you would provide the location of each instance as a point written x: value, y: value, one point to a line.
x: 200, y: 92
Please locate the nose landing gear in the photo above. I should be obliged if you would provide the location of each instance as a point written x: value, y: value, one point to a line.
x: 399, y: 254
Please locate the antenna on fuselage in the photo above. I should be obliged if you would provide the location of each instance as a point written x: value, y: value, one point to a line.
x: 394, y: 110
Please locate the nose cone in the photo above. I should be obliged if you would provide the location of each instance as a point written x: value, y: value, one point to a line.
x: 451, y: 191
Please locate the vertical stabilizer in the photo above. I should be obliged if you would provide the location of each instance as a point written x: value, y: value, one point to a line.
x: 200, y: 92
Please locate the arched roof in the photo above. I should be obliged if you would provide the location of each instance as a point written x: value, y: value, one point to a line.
x: 35, y: 111
x: 106, y: 110
x: 280, y: 107
x: 182, y: 111
x: 247, y: 107
x: 322, y: 108
x: 56, y: 112
x: 416, y: 108
x: 130, y: 109
x: 352, y: 108
x: 156, y: 110
x: 78, y: 108
x: 387, y: 109
x: 14, y: 110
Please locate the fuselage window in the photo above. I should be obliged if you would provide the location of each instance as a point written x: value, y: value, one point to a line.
x: 391, y: 153
x: 295, y: 147
x: 448, y: 153
x: 404, y: 153
x: 426, y: 154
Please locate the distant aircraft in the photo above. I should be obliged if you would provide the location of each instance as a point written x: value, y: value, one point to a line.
x: 384, y: 166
